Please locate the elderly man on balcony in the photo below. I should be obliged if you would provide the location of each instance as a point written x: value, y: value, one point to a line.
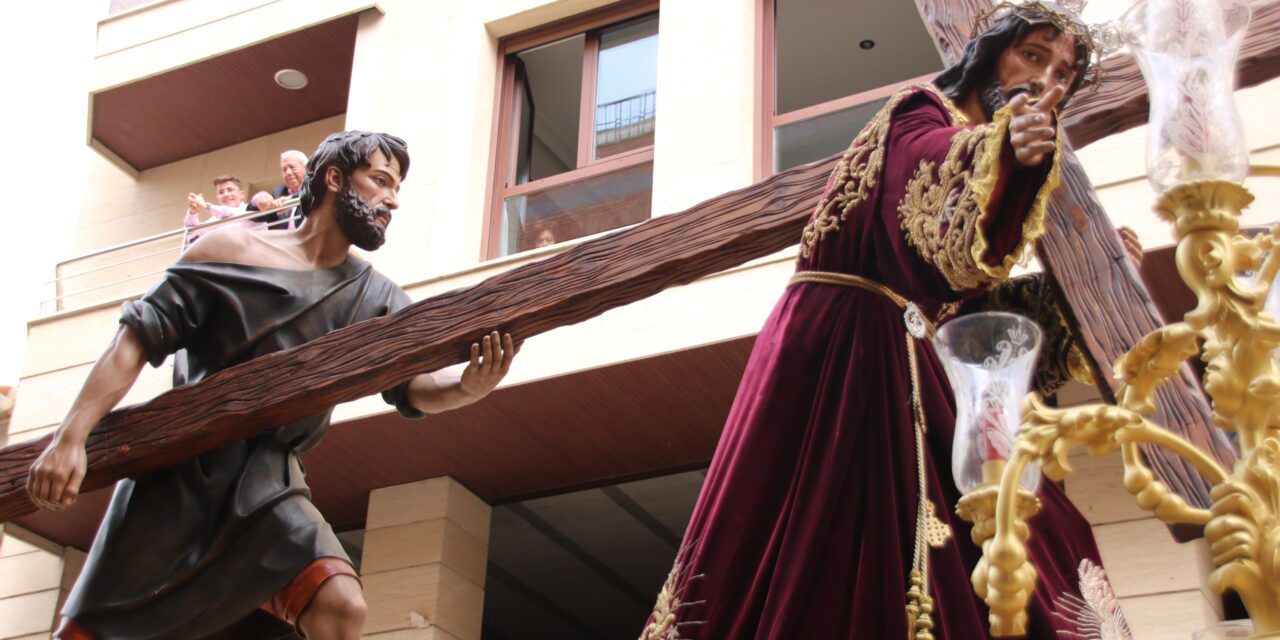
x: 293, y: 165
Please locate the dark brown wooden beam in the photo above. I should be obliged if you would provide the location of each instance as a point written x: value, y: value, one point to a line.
x: 1110, y: 310
x: 595, y: 277
x: 364, y: 359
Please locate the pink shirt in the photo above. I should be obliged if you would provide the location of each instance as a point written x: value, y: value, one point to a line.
x: 217, y: 212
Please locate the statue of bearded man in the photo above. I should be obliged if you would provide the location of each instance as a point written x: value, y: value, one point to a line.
x: 826, y: 508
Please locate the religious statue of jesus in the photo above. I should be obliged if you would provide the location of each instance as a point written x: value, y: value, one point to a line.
x: 826, y: 511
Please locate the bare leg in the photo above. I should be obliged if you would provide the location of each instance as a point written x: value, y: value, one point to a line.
x: 336, y: 612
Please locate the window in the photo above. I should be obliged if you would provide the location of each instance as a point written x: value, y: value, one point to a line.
x: 574, y: 150
x: 828, y: 67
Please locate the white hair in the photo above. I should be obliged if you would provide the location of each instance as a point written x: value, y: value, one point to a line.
x: 294, y: 153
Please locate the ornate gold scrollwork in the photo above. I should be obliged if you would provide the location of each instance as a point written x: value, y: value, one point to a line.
x: 1242, y: 380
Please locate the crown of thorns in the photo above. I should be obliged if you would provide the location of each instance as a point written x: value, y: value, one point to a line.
x: 1099, y: 40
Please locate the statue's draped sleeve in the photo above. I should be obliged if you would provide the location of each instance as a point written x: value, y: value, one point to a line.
x: 971, y: 211
x: 175, y: 314
x: 168, y: 316
x: 1061, y: 357
x: 968, y: 208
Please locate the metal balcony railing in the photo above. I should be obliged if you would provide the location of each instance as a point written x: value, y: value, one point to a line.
x: 626, y: 118
x: 107, y: 272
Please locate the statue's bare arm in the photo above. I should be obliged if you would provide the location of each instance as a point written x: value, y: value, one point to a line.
x: 55, y: 476
x: 444, y: 390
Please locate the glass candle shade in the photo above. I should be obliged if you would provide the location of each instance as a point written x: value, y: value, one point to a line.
x: 1187, y: 52
x: 989, y: 359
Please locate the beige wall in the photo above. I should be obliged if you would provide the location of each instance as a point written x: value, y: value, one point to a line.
x: 1159, y: 582
x: 707, y: 110
x: 35, y: 576
x: 118, y: 208
x: 1117, y: 167
x: 168, y: 35
x: 426, y: 548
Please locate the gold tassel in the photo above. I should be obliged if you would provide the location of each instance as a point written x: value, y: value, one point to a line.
x: 929, y: 530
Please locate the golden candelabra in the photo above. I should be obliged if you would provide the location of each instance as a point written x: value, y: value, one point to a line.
x: 1242, y: 527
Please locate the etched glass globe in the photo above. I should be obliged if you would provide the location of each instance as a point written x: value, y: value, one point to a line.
x: 989, y: 359
x: 1187, y: 52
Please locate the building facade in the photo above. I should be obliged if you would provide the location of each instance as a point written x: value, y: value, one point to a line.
x: 554, y: 508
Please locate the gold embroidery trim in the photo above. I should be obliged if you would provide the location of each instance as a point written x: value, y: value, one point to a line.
x: 662, y: 623
x: 859, y: 170
x: 1078, y: 366
x: 986, y: 173
x: 945, y: 209
x: 1095, y: 614
x: 939, y: 214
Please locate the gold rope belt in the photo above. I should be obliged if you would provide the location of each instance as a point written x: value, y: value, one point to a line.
x: 930, y: 531
x: 911, y: 313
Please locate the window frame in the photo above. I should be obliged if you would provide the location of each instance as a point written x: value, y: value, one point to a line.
x: 767, y: 87
x: 506, y: 120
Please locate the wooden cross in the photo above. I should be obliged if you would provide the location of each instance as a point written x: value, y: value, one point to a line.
x: 591, y: 278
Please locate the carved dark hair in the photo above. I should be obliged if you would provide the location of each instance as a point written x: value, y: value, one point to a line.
x: 348, y: 151
x: 977, y: 65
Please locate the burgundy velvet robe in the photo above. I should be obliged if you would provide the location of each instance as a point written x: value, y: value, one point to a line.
x: 805, y: 525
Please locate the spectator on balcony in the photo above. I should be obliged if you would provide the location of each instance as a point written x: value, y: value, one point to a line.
x: 293, y: 166
x: 230, y: 193
x: 545, y: 238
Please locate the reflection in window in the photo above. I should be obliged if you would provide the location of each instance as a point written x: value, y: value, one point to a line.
x: 577, y: 120
x: 826, y: 53
x: 593, y: 205
x: 626, y: 87
x: 549, y: 79
x: 820, y: 54
x: 816, y: 138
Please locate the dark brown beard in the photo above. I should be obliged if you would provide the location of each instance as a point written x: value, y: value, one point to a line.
x: 359, y: 220
x: 993, y: 98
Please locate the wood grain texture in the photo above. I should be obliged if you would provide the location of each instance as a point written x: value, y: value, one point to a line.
x: 1107, y: 301
x: 1121, y: 101
x: 1109, y: 306
x: 364, y: 359
x: 1111, y: 310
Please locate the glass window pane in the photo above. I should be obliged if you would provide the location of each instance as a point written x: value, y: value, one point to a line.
x: 626, y: 84
x: 548, y: 102
x: 820, y: 54
x: 577, y: 209
x: 816, y: 138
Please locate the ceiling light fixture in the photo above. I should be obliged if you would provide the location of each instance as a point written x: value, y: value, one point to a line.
x: 867, y: 44
x: 291, y: 79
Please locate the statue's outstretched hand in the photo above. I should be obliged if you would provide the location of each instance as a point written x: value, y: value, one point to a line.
x: 490, y: 361
x: 1033, y: 129
x: 53, y: 481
